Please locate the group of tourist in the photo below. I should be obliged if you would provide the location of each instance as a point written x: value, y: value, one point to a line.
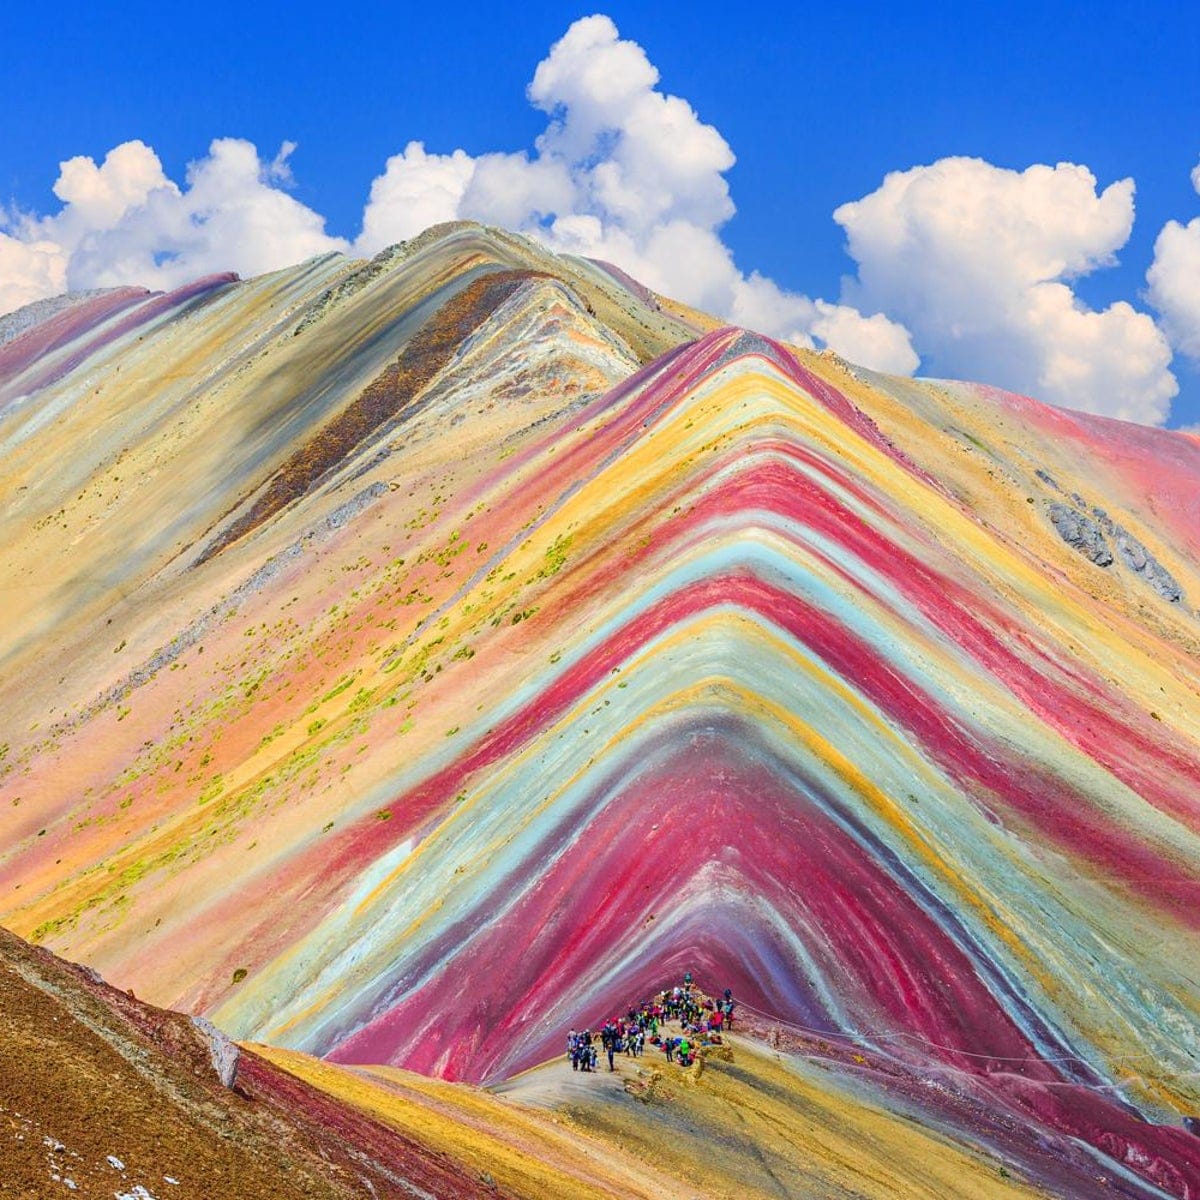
x: 701, y: 1021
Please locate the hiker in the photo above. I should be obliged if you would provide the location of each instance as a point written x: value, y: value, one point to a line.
x: 609, y: 1039
x: 685, y: 1052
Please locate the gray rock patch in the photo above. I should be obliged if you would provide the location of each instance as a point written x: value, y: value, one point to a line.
x: 1082, y: 533
x: 222, y: 1051
x: 1089, y: 534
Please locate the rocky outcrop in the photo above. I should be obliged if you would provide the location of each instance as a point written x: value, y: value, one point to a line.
x: 1078, y: 530
x: 1088, y: 532
x: 221, y: 1050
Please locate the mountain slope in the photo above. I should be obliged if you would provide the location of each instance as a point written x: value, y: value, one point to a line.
x: 407, y: 657
x: 102, y: 1095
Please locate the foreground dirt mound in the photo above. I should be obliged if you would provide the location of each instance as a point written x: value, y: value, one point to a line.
x: 102, y: 1095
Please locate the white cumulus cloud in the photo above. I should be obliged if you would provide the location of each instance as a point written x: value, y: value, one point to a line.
x: 1174, y: 279
x: 30, y: 270
x: 97, y: 197
x: 124, y: 222
x: 977, y: 261
x: 875, y: 342
x: 627, y: 173
x: 415, y: 191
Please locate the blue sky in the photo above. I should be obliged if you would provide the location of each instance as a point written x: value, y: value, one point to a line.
x: 817, y: 104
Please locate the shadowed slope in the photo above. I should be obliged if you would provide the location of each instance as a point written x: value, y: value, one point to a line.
x: 114, y: 1095
x: 385, y: 398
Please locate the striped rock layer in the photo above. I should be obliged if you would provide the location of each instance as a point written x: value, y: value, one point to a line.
x: 405, y: 660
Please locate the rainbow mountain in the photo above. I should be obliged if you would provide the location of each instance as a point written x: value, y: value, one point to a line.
x: 406, y: 660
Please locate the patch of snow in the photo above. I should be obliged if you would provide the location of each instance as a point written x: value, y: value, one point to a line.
x: 115, y: 1163
x: 138, y: 1193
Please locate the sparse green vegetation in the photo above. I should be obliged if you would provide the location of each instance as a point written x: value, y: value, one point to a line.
x: 212, y: 789
x: 339, y: 687
x: 555, y: 557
